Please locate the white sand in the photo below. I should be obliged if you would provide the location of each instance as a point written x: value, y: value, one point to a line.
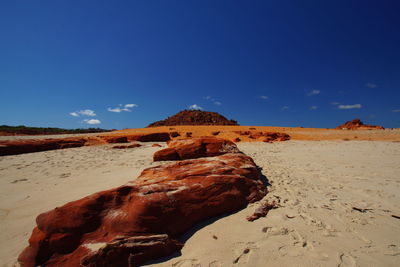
x: 317, y: 182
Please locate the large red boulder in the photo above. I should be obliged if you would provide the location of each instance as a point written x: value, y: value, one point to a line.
x: 142, y: 220
x: 357, y: 124
x: 195, y: 148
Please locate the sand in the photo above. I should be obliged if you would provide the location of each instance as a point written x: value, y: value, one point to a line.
x: 318, y: 185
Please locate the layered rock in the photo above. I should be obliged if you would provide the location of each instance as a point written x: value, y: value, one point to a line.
x: 195, y: 148
x: 194, y: 117
x: 150, y: 137
x: 357, y: 124
x: 141, y: 220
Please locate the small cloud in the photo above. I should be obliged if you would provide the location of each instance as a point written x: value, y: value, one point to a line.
x: 396, y: 110
x: 314, y: 92
x: 371, y: 85
x: 264, y: 97
x: 126, y: 107
x: 85, y: 112
x: 350, y: 106
x: 284, y: 108
x: 195, y: 107
x: 207, y: 97
x: 313, y: 107
x: 217, y: 103
x: 131, y: 105
x: 92, y: 121
x: 335, y: 103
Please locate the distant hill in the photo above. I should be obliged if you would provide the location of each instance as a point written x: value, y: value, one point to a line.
x: 357, y: 124
x: 24, y: 130
x: 194, y: 117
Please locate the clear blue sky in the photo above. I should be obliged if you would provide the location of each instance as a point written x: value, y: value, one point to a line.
x: 273, y: 63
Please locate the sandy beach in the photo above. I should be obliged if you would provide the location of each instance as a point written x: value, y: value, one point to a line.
x: 336, y: 201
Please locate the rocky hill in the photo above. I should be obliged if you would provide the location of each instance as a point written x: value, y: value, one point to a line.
x: 357, y: 124
x: 194, y: 117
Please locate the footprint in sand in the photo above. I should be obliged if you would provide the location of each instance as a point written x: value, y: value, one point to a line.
x: 346, y: 260
x: 19, y: 180
x: 244, y: 250
x: 215, y: 264
x: 65, y: 175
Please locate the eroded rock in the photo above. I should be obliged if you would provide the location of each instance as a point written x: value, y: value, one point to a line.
x: 195, y: 148
x: 140, y: 221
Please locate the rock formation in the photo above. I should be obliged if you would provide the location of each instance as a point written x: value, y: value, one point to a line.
x: 195, y: 148
x: 357, y: 124
x: 194, y: 117
x: 140, y: 221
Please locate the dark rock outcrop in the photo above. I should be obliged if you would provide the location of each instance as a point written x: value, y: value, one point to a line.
x: 357, y: 124
x: 16, y: 147
x: 195, y: 148
x: 194, y: 117
x: 140, y: 221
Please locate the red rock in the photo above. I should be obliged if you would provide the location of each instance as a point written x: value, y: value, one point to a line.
x: 237, y: 139
x: 262, y: 211
x: 194, y: 117
x: 156, y: 145
x: 142, y: 220
x: 357, y: 124
x: 127, y: 146
x: 36, y: 145
x: 195, y: 148
x: 269, y: 136
x: 114, y: 139
x: 151, y: 137
x: 174, y: 134
x: 215, y: 133
x: 189, y: 134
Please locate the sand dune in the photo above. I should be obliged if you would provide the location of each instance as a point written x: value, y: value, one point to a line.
x: 338, y: 201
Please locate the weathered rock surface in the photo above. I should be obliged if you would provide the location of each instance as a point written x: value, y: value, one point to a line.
x: 127, y: 146
x: 141, y: 220
x: 151, y: 137
x: 194, y: 117
x: 357, y: 124
x: 114, y: 139
x: 265, y: 136
x: 195, y: 148
x: 28, y: 146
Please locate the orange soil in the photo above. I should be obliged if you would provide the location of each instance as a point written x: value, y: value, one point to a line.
x: 296, y: 133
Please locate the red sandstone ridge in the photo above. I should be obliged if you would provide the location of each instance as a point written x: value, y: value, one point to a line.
x: 194, y: 117
x: 357, y: 124
x: 141, y: 220
x: 195, y: 148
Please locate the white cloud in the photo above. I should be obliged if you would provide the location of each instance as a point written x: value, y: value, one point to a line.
x: 92, y: 121
x: 371, y: 85
x: 284, y: 108
x: 195, y: 107
x: 396, y: 110
x: 313, y: 107
x: 131, y: 106
x: 126, y: 107
x: 314, y: 92
x: 207, y: 97
x: 264, y: 97
x: 85, y: 112
x: 217, y: 103
x: 335, y: 103
x: 349, y: 106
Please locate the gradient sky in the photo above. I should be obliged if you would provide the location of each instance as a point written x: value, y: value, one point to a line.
x: 125, y: 64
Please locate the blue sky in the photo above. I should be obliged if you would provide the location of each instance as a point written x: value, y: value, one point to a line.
x: 125, y: 64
